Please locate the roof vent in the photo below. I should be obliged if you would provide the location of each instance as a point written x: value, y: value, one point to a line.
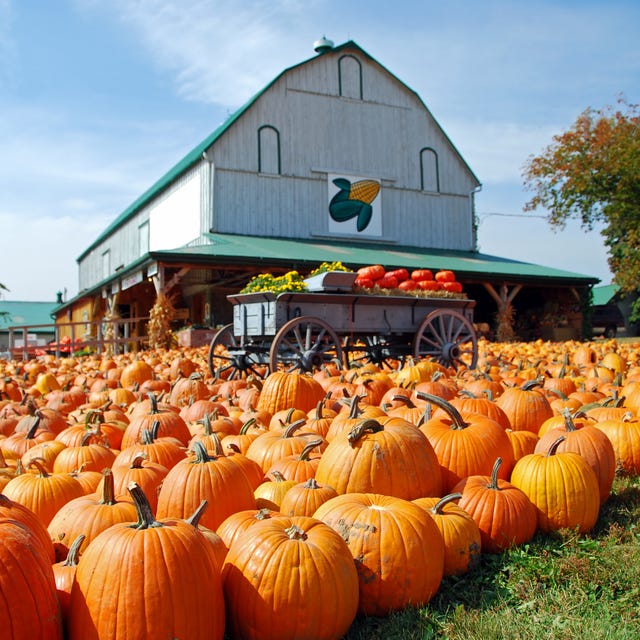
x: 323, y: 45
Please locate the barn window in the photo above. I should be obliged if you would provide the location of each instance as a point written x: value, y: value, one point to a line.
x: 143, y: 238
x: 350, y: 77
x: 269, y: 150
x: 429, y: 174
x: 106, y: 263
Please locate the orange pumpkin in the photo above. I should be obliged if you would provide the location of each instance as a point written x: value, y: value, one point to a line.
x: 292, y: 551
x: 174, y: 570
x: 398, y: 548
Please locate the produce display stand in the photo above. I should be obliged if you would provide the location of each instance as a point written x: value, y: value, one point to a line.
x: 305, y: 330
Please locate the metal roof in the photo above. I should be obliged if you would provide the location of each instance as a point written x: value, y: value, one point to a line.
x: 295, y: 253
x: 26, y: 313
x: 195, y: 155
x: 603, y: 295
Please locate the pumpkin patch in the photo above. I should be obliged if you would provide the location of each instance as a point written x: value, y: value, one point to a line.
x: 361, y: 488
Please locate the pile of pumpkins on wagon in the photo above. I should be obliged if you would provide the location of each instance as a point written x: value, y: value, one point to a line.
x: 141, y: 498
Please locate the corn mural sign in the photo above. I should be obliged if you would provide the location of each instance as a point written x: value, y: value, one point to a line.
x: 355, y: 206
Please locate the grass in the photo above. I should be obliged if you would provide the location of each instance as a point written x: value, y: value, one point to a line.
x: 560, y: 586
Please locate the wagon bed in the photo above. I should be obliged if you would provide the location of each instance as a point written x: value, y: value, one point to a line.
x: 305, y: 330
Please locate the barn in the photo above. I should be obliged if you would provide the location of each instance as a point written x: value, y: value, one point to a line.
x: 262, y: 193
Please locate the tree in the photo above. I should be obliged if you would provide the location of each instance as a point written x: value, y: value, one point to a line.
x: 591, y: 173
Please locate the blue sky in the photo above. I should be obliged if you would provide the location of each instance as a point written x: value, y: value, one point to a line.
x: 99, y: 98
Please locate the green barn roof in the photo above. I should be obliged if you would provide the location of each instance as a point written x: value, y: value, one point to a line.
x: 240, y: 249
x: 16, y: 313
x: 603, y: 295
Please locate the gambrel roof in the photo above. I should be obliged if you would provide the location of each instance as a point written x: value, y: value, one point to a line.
x: 195, y: 155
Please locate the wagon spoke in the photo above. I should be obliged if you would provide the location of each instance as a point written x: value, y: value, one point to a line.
x: 305, y: 344
x: 448, y: 337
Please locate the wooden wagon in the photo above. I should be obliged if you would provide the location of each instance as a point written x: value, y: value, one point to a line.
x: 303, y: 331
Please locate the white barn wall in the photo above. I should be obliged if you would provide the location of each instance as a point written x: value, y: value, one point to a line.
x: 322, y: 134
x: 175, y: 220
x: 181, y: 202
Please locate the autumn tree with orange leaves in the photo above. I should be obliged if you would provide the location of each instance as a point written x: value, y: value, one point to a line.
x: 591, y: 173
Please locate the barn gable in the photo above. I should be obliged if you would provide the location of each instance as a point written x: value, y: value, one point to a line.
x: 270, y: 170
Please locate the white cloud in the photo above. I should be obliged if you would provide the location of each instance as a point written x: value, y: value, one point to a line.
x: 220, y: 51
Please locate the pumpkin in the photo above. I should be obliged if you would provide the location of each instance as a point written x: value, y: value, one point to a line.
x: 562, y: 486
x: 525, y: 406
x: 459, y: 531
x: 304, y: 498
x: 372, y: 272
x: 146, y: 474
x: 171, y: 575
x: 29, y: 606
x: 42, y: 492
x: 583, y: 437
x: 187, y: 390
x: 624, y: 434
x: 298, y: 467
x: 89, y: 515
x: 90, y: 455
x: 135, y: 373
x: 504, y: 514
x: 271, y: 446
x: 170, y: 424
x: 390, y: 456
x: 466, y: 445
x: 16, y: 511
x: 320, y: 598
x: 166, y: 450
x: 269, y: 494
x: 217, y: 479
x: 282, y: 390
x: 64, y: 573
x: 235, y: 524
x: 397, y: 546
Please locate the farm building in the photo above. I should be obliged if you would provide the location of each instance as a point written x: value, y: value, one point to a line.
x: 31, y: 323
x: 273, y: 189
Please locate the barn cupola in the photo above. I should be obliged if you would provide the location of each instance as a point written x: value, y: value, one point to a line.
x: 323, y: 45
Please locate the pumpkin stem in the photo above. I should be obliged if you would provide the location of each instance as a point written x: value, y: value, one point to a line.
x: 35, y: 462
x: 74, y: 552
x: 143, y: 508
x: 493, y: 483
x: 201, y: 454
x: 108, y: 492
x: 294, y: 426
x: 438, y: 506
x: 304, y: 454
x: 295, y: 533
x: 311, y: 483
x: 277, y: 476
x: 554, y: 446
x: 371, y: 425
x: 569, y: 424
x: 194, y: 520
x: 138, y: 459
x: 456, y: 417
x: 531, y: 384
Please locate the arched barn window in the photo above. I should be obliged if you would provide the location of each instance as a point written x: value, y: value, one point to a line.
x: 429, y: 174
x: 350, y: 77
x: 269, y: 150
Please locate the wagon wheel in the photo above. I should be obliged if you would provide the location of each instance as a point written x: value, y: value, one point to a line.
x: 377, y: 350
x: 229, y: 359
x: 447, y: 337
x: 304, y: 344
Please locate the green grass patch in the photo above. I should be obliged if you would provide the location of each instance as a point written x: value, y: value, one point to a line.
x: 560, y: 586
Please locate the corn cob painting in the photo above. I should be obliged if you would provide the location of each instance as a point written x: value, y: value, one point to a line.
x: 353, y: 200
